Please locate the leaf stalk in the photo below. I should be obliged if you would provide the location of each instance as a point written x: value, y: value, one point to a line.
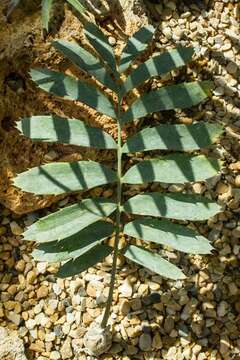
x: 118, y: 219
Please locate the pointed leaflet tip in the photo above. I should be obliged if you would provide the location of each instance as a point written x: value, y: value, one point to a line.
x: 49, y: 128
x: 167, y: 233
x: 77, y: 6
x: 174, y: 137
x: 69, y: 220
x: 100, y: 43
x: 173, y: 169
x: 46, y: 13
x: 153, y: 262
x: 63, y: 177
x: 75, y: 245
x: 70, y: 88
x: 83, y: 262
x: 172, y: 206
x: 136, y: 44
x: 157, y: 65
x: 177, y: 96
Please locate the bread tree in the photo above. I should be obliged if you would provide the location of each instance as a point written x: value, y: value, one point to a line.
x: 76, y: 236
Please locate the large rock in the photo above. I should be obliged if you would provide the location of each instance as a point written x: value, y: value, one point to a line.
x: 11, y: 347
x: 22, y: 46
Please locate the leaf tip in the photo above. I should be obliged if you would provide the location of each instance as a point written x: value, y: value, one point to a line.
x: 16, y: 181
x: 207, y: 87
x: 19, y: 127
x: 182, y: 276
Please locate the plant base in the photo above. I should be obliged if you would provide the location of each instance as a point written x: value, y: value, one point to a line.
x: 97, y: 340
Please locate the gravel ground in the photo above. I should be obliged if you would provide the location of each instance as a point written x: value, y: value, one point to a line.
x: 152, y: 318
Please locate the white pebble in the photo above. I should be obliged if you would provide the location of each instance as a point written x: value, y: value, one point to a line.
x: 41, y: 319
x: 56, y: 289
x: 126, y: 289
x: 33, y: 333
x: 41, y: 266
x: 112, y: 40
x: 219, y: 91
x: 66, y: 328
x: 53, y: 303
x: 50, y: 337
x: 167, y: 32
x: 70, y: 318
x: 30, y: 324
x: 55, y: 355
x: 76, y: 299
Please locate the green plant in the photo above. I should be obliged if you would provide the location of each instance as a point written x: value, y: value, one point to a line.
x: 76, y: 234
x: 46, y: 9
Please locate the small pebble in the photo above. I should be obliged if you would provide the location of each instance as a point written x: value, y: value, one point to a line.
x: 42, y: 292
x: 57, y: 290
x: 126, y: 289
x: 55, y: 355
x: 145, y: 342
x: 15, y: 228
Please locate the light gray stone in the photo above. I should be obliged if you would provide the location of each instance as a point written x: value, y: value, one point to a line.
x: 11, y: 347
x: 66, y: 350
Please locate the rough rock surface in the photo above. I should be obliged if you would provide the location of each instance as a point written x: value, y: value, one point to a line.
x: 21, y: 47
x: 11, y: 347
x: 97, y: 340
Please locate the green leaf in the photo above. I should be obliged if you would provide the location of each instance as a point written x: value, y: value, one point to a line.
x: 172, y: 205
x: 153, y: 262
x: 171, y: 97
x: 66, y: 131
x: 167, y: 233
x: 63, y: 177
x: 75, y: 245
x: 174, y: 137
x: 70, y: 88
x: 173, y: 169
x: 84, y: 261
x: 77, y: 6
x: 100, y: 43
x: 85, y: 61
x: 158, y: 65
x: 135, y: 45
x: 70, y: 220
x: 46, y: 11
x: 12, y: 5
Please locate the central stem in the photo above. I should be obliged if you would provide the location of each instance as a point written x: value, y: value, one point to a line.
x: 118, y: 222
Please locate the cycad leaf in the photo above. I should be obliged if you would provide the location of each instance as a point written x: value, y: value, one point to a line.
x: 85, y: 61
x: 172, y: 205
x: 12, y: 5
x: 171, y: 97
x: 46, y: 11
x: 167, y: 233
x: 66, y: 131
x: 63, y: 177
x: 158, y: 65
x: 173, y: 169
x: 174, y: 137
x: 153, y: 262
x: 77, y: 6
x: 135, y: 45
x: 70, y: 220
x: 70, y: 88
x: 84, y: 261
x: 75, y: 245
x: 100, y: 43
